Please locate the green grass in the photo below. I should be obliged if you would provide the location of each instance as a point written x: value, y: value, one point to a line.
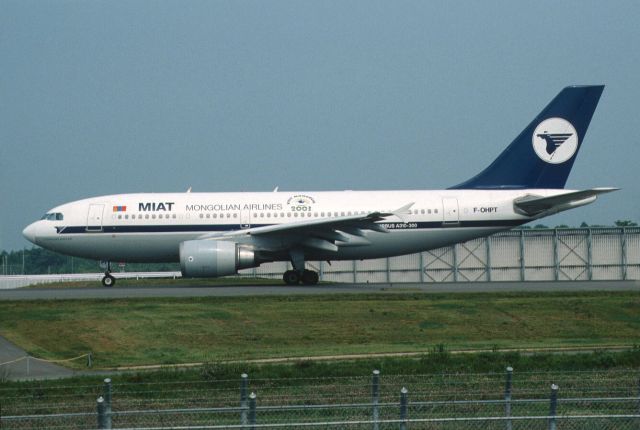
x: 433, y: 376
x: 167, y: 331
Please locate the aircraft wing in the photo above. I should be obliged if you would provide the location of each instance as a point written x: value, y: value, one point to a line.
x: 532, y: 205
x: 324, y: 233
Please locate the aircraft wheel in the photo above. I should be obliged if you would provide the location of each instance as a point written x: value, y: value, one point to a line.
x: 108, y: 280
x: 291, y: 277
x: 309, y: 277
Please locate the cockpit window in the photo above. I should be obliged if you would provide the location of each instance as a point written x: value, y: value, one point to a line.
x: 53, y: 216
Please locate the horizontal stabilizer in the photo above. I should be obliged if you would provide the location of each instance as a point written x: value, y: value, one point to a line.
x: 533, y: 205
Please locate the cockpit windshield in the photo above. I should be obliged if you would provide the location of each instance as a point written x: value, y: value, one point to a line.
x: 53, y: 216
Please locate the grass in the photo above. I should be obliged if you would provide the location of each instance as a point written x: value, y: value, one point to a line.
x: 123, y: 332
x: 433, y: 376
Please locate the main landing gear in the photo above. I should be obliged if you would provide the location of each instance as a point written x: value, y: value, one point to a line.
x: 299, y: 273
x: 293, y: 277
x: 107, y: 280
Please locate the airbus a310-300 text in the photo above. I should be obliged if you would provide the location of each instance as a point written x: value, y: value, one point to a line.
x: 217, y: 234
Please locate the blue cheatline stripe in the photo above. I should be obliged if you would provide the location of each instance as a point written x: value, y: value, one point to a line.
x: 177, y: 228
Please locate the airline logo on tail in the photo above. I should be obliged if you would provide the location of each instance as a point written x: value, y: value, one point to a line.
x: 555, y: 140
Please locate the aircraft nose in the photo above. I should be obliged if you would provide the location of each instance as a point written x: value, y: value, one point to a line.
x: 30, y: 233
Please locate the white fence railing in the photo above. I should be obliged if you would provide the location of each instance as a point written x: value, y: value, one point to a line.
x: 18, y: 281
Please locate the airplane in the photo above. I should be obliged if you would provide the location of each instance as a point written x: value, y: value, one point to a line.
x: 217, y: 234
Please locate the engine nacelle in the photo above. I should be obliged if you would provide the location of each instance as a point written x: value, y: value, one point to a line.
x: 212, y: 258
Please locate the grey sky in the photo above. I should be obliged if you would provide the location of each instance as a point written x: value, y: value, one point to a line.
x: 118, y: 96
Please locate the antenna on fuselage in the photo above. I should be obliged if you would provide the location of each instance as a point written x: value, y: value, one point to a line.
x: 189, y: 190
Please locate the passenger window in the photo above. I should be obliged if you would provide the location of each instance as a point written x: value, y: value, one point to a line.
x: 214, y: 215
x: 435, y: 211
x: 146, y: 216
x: 174, y: 216
x: 201, y: 215
x: 153, y: 216
x: 119, y: 216
x: 208, y: 215
x: 268, y: 214
x: 295, y: 214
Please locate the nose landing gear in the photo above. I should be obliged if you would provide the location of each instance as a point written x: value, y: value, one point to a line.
x: 107, y: 280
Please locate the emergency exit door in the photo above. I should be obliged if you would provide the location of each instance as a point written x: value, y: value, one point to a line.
x: 450, y: 212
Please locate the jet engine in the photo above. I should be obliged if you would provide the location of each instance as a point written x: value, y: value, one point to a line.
x: 212, y: 258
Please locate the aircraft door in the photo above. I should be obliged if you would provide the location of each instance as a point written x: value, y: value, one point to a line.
x: 94, y: 217
x: 245, y: 219
x: 450, y: 211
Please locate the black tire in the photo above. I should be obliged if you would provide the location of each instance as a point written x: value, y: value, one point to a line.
x: 291, y: 277
x: 309, y: 277
x: 108, y: 281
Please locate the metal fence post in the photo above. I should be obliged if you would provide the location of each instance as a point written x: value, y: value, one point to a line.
x: 553, y: 407
x: 455, y: 262
x: 90, y: 360
x: 375, y: 398
x: 252, y: 410
x: 355, y: 272
x: 522, y: 267
x: 507, y: 397
x: 102, y: 416
x: 487, y: 242
x: 589, y: 255
x: 388, y: 271
x: 556, y: 264
x: 404, y: 407
x: 107, y: 401
x: 623, y: 253
x: 244, y: 386
x: 638, y: 396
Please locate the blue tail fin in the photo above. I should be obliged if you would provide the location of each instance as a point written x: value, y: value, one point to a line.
x: 543, y: 154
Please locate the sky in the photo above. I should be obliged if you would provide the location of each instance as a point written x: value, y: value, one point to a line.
x: 106, y: 97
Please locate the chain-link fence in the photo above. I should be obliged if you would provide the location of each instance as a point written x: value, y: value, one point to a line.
x: 509, y: 400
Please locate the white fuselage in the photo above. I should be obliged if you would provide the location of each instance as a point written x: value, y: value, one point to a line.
x: 149, y: 227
